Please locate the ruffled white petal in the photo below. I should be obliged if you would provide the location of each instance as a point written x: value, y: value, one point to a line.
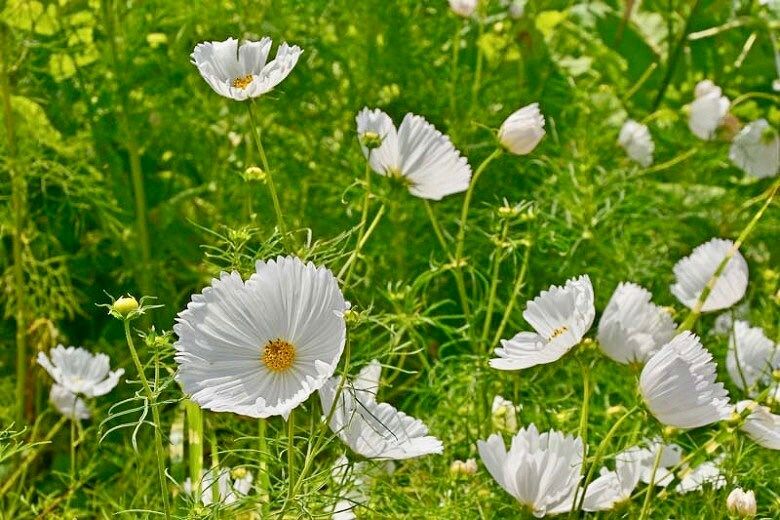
x: 636, y: 140
x: 756, y: 150
x: 751, y: 358
x: 761, y: 425
x: 67, y: 403
x: 707, y: 110
x: 79, y: 371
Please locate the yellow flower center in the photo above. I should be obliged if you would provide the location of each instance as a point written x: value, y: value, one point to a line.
x: 278, y: 355
x: 557, y: 332
x: 242, y: 82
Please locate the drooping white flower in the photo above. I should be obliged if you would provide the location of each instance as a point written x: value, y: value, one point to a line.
x: 243, y: 71
x: 678, y: 385
x: 741, y: 504
x: 79, y: 371
x: 504, y: 415
x: 707, y: 110
x: 67, y: 403
x: 632, y: 328
x: 671, y: 456
x: 522, y: 130
x: 222, y: 484
x: 261, y: 347
x: 636, y: 140
x: 560, y: 316
x: 761, y: 425
x: 693, y: 272
x: 424, y: 158
x: 371, y: 429
x: 705, y: 474
x: 756, y: 149
x: 541, y: 471
x: 751, y: 358
x: 464, y: 8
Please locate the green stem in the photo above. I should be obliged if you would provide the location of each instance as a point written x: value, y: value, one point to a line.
x: 583, y: 429
x: 495, y: 271
x: 348, y: 266
x: 650, y: 485
x: 350, y: 262
x: 194, y: 444
x: 674, y: 56
x: 73, y: 447
x: 291, y: 454
x: 262, y: 467
x: 437, y: 229
x: 478, y: 68
x: 519, y: 281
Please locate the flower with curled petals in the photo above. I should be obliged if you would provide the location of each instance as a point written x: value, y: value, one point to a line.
x: 79, y: 371
x: 636, y: 140
x: 707, y: 110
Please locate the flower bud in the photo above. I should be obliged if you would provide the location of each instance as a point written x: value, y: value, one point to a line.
x: 464, y: 8
x: 124, y: 306
x: 741, y: 504
x: 504, y: 415
x: 522, y: 130
x: 458, y: 467
x: 254, y: 173
x: 371, y: 140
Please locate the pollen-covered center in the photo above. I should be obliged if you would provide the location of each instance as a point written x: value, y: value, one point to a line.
x: 242, y: 82
x: 278, y: 355
x: 557, y: 332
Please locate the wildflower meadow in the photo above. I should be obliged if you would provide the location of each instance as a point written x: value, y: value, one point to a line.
x: 419, y: 259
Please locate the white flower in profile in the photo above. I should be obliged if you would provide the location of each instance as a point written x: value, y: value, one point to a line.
x: 678, y: 385
x: 243, y: 71
x: 560, y: 317
x: 751, y: 358
x: 707, y: 110
x: 522, y: 130
x: 756, y: 149
x: 541, y: 471
x: 259, y: 348
x: 504, y: 415
x: 464, y: 8
x: 614, y: 487
x: 671, y: 456
x: 371, y: 429
x: 417, y: 153
x: 68, y: 404
x: 636, y: 140
x: 705, y: 474
x: 79, y: 371
x: 222, y: 484
x: 741, y: 504
x: 632, y: 328
x: 693, y: 272
x: 761, y: 424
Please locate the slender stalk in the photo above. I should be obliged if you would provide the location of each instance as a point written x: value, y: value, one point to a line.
x: 214, y: 449
x: 674, y: 56
x: 519, y: 281
x: 73, y: 448
x: 155, y: 417
x: 454, y: 69
x: 262, y: 466
x: 650, y: 485
x: 583, y: 429
x: 291, y: 454
x: 194, y: 444
x: 437, y: 229
x: 495, y: 270
x: 350, y: 262
x: 348, y: 266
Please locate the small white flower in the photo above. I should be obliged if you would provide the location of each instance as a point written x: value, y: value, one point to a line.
x: 504, y: 415
x: 751, y: 358
x: 632, y: 328
x: 761, y: 425
x: 242, y: 72
x: 636, y: 140
x: 219, y: 483
x: 707, y: 110
x: 613, y: 487
x: 374, y: 430
x: 741, y: 503
x: 705, y: 474
x: 79, y: 371
x: 693, y: 272
x: 420, y: 155
x: 67, y: 403
x: 464, y: 8
x: 678, y: 385
x: 541, y: 471
x: 560, y: 316
x: 671, y: 456
x: 261, y: 347
x: 756, y: 149
x: 522, y: 130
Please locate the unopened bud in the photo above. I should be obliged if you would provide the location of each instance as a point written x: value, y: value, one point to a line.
x: 616, y: 410
x: 238, y: 473
x: 125, y: 305
x: 371, y: 140
x: 670, y: 431
x: 459, y: 467
x: 254, y: 174
x: 741, y: 504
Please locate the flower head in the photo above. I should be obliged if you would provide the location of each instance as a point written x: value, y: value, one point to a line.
x: 613, y: 487
x: 636, y: 140
x: 243, y: 71
x: 125, y: 305
x: 761, y: 424
x: 464, y: 8
x: 707, y: 110
x: 67, y: 403
x: 261, y: 347
x: 741, y: 504
x: 560, y: 317
x: 756, y: 149
x: 751, y: 358
x: 522, y: 130
x: 79, y: 371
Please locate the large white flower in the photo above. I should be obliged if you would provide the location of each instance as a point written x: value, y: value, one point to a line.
x: 541, y: 471
x: 222, y: 484
x: 424, y: 158
x: 751, y: 358
x: 261, y: 347
x: 371, y: 429
x: 67, y: 403
x: 705, y: 474
x: 707, y: 110
x: 678, y: 385
x: 243, y: 71
x: 560, y: 316
x: 671, y: 456
x: 693, y: 272
x: 632, y: 328
x: 761, y: 424
x: 636, y: 140
x: 79, y: 371
x: 522, y: 130
x: 756, y: 149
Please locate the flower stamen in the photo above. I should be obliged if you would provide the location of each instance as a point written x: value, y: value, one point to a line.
x: 278, y: 355
x: 242, y: 82
x: 557, y: 332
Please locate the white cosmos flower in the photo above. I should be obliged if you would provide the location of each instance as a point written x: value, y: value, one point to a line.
x: 67, y: 403
x: 560, y: 316
x: 79, y: 371
x: 761, y: 425
x: 541, y: 471
x: 261, y: 347
x: 464, y: 8
x: 243, y: 71
x: 371, y: 429
x: 705, y: 474
x: 671, y: 456
x: 614, y: 487
x: 751, y: 358
x: 424, y: 158
x: 693, y: 272
x: 707, y: 110
x: 227, y: 487
x: 522, y: 130
x: 678, y: 385
x: 756, y: 149
x: 636, y: 140
x: 632, y: 328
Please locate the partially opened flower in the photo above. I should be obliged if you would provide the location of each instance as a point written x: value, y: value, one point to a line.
x: 79, y: 371
x: 67, y: 403
x: 541, y: 471
x: 636, y: 140
x: 678, y: 385
x: 371, y: 429
x: 464, y: 8
x: 751, y: 358
x: 560, y: 317
x: 705, y: 474
x: 693, y: 272
x: 522, y: 130
x: 243, y: 71
x: 261, y: 347
x: 707, y: 110
x: 741, y: 504
x: 421, y: 156
x: 761, y: 424
x: 221, y: 485
x: 756, y: 149
x: 632, y: 328
x: 504, y: 415
x: 671, y: 456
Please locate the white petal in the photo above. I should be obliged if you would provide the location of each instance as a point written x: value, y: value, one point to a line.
x: 751, y: 358
x: 761, y: 425
x: 636, y: 140
x: 79, y: 371
x: 68, y: 403
x: 386, y: 158
x: 522, y: 130
x: 756, y: 149
x: 707, y: 110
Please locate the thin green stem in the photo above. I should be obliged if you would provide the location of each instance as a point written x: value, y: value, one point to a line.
x: 674, y: 56
x: 73, y: 447
x: 495, y: 270
x: 519, y: 281
x: 359, y: 247
x: 349, y: 265
x: 291, y: 454
x: 194, y: 444
x: 262, y: 466
x: 583, y: 428
x: 437, y: 229
x: 651, y: 485
x: 478, y: 67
